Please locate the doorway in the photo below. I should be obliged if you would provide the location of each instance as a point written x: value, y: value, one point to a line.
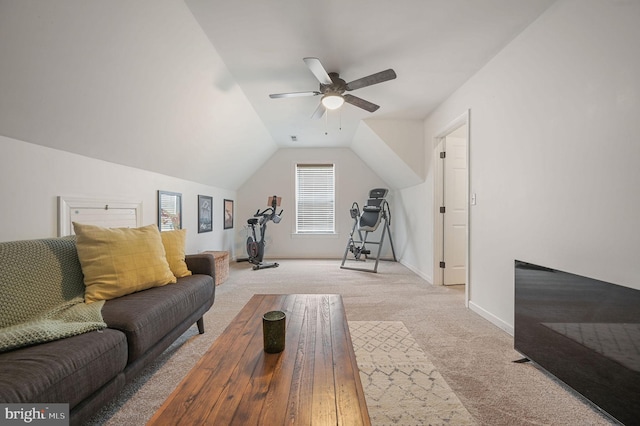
x: 451, y: 263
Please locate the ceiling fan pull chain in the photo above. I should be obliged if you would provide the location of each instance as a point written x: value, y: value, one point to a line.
x: 326, y: 123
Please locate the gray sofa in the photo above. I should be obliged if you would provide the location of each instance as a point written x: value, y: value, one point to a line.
x: 89, y: 369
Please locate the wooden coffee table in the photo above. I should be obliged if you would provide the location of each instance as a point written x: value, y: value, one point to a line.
x: 314, y: 381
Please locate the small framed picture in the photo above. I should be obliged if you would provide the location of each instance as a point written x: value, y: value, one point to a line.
x: 228, y: 214
x: 205, y: 213
x: 169, y: 211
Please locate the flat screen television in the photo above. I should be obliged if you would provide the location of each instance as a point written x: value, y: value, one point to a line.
x: 583, y: 331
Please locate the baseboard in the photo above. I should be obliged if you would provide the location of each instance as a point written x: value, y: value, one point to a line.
x: 416, y: 271
x: 491, y: 318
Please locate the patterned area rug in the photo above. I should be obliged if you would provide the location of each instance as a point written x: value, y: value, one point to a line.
x: 401, y: 386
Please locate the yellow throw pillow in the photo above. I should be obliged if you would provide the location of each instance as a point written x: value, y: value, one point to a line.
x: 119, y: 261
x: 174, y: 245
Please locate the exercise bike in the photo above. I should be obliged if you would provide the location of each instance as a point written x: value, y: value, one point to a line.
x: 255, y: 247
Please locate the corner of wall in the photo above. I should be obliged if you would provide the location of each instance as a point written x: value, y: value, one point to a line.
x: 383, y: 160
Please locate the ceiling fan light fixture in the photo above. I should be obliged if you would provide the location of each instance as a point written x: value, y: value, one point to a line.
x: 332, y: 101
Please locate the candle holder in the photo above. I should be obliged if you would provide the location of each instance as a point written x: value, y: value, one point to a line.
x: 273, y: 330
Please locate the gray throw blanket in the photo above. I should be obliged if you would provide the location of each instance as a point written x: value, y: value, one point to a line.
x: 42, y: 293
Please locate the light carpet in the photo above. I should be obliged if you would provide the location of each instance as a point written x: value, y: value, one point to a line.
x: 471, y: 354
x: 400, y: 385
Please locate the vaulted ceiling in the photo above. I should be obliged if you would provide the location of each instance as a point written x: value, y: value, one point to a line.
x: 182, y: 88
x: 433, y: 45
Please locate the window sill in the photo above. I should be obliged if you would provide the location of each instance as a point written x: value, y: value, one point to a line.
x: 301, y: 235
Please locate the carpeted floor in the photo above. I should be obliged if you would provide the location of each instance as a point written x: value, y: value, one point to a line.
x: 463, y: 352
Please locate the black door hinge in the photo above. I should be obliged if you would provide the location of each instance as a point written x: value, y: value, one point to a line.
x: 443, y: 209
x: 442, y: 265
x: 443, y: 154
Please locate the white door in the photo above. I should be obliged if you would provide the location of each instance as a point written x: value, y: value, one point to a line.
x: 455, y: 202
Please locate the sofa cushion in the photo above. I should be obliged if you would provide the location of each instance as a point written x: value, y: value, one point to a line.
x: 147, y: 316
x: 174, y: 245
x: 62, y: 371
x: 119, y: 261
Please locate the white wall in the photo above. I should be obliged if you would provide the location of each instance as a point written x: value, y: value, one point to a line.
x: 354, y: 179
x: 32, y: 177
x: 553, y: 154
x: 413, y: 228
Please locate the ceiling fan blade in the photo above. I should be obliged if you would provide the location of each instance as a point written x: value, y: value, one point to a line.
x: 376, y: 78
x: 360, y: 103
x: 318, y: 70
x: 293, y: 94
x: 319, y: 112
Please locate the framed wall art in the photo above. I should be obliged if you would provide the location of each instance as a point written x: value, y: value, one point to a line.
x: 205, y: 213
x: 169, y: 211
x: 228, y: 214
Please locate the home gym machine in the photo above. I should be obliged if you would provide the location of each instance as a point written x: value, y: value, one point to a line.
x: 373, y: 213
x: 255, y: 247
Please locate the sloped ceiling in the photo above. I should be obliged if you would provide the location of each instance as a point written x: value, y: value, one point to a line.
x: 130, y: 82
x: 394, y: 156
x: 181, y: 87
x: 433, y: 45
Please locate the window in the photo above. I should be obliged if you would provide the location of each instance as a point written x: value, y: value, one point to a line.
x: 315, y: 198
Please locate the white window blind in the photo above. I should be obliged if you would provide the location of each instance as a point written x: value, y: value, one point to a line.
x: 315, y: 198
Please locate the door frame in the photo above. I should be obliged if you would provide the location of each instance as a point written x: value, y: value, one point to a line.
x: 438, y: 197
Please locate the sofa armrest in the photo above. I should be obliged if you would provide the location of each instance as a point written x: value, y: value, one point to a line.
x: 202, y: 263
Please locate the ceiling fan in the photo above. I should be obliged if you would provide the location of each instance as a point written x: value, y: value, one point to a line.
x: 332, y: 88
